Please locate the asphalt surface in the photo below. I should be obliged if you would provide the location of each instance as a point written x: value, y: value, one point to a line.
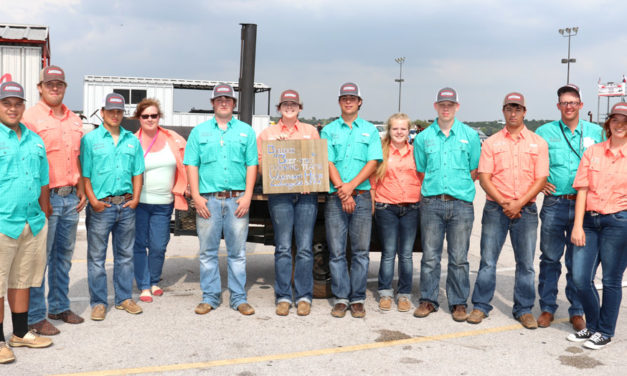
x: 168, y: 337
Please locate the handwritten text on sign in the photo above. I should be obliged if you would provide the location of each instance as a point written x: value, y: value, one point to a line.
x: 291, y: 166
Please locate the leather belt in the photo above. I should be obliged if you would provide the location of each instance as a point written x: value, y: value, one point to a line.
x: 117, y: 200
x: 359, y: 191
x: 225, y: 194
x: 568, y: 197
x: 443, y: 197
x: 64, y: 191
x: 593, y: 213
x: 404, y: 204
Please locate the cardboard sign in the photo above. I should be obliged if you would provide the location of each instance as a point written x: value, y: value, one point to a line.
x: 293, y: 166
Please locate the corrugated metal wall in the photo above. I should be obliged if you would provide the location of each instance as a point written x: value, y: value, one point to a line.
x: 24, y: 64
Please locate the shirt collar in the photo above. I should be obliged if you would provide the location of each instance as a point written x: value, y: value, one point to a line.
x: 214, y: 122
x: 566, y: 129
x: 8, y: 130
x: 48, y: 109
x: 523, y: 132
x: 356, y: 122
x: 622, y: 151
x: 408, y: 149
x: 284, y: 127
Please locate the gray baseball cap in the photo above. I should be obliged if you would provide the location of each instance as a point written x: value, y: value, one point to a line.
x: 350, y: 88
x: 569, y: 88
x: 113, y: 101
x: 619, y: 108
x: 11, y: 89
x: 223, y: 90
x: 447, y: 94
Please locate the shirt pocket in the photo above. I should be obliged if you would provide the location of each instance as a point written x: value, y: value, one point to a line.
x: 102, y: 161
x: 434, y: 157
x: 502, y: 159
x: 128, y: 157
x: 52, y: 138
x: 8, y: 170
x: 361, y: 148
x: 529, y: 160
x: 556, y: 158
x: 76, y: 143
x: 208, y: 151
x: 37, y: 158
x: 237, y: 150
x: 460, y: 157
x: 594, y: 175
x: 339, y: 149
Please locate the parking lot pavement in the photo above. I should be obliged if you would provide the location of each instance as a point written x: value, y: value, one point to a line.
x: 170, y: 338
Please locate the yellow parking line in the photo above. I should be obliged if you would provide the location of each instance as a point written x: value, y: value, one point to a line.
x: 263, y: 253
x: 300, y: 354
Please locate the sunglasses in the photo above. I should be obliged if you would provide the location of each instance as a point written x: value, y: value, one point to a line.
x: 146, y: 116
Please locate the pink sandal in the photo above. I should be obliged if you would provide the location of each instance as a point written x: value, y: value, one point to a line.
x: 156, y: 290
x: 145, y: 296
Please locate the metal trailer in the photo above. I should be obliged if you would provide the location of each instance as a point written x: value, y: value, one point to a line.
x: 24, y: 51
x: 134, y: 89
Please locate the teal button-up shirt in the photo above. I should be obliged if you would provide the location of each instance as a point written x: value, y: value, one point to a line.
x: 351, y: 148
x: 563, y: 162
x: 111, y: 167
x: 23, y: 171
x: 447, y: 161
x: 221, y: 156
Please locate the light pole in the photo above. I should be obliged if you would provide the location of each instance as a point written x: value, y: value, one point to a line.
x: 400, y: 61
x: 568, y: 32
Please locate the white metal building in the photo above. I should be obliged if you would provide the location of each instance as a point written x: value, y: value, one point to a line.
x: 24, y: 51
x: 134, y: 89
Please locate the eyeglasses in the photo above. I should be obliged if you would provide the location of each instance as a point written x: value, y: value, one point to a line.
x: 54, y: 85
x: 571, y: 104
x: 146, y: 116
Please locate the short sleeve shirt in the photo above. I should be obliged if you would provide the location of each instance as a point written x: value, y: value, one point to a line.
x: 448, y: 161
x: 563, y: 161
x: 350, y: 148
x: 110, y: 166
x: 604, y: 173
x: 222, y: 156
x: 514, y: 164
x: 23, y: 171
x: 401, y: 184
x: 62, y: 138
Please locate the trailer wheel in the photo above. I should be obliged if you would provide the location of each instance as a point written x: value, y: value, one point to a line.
x: 321, y: 272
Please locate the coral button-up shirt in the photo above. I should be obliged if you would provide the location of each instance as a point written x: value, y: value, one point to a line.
x: 514, y: 163
x: 604, y: 173
x: 62, y: 137
x: 400, y: 184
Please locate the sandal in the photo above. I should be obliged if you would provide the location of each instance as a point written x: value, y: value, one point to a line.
x: 145, y: 296
x: 156, y: 290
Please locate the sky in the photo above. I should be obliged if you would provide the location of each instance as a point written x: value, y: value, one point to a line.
x: 483, y: 49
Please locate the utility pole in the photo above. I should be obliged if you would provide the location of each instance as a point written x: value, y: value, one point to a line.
x: 568, y: 32
x: 400, y: 61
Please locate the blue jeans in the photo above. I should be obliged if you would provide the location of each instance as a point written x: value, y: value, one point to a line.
x: 120, y: 223
x: 60, y: 248
x: 348, y: 287
x: 605, y: 243
x: 396, y: 227
x: 289, y: 212
x: 235, y: 230
x: 452, y: 219
x: 523, y: 232
x: 557, y: 215
x: 152, y: 231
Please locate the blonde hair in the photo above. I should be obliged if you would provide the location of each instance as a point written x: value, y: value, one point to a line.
x: 385, y: 144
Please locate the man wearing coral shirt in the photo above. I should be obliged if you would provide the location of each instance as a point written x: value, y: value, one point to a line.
x: 61, y: 130
x: 513, y: 169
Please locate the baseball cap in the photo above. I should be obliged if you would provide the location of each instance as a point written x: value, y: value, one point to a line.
x: 514, y: 98
x: 447, y: 94
x: 350, y: 88
x: 222, y: 90
x: 52, y: 73
x: 569, y: 88
x: 289, y: 96
x: 11, y: 89
x: 113, y: 101
x: 619, y: 109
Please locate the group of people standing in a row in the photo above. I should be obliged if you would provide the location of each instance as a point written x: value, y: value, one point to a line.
x: 131, y: 183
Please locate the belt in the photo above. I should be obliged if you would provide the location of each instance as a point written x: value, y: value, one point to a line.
x: 117, y: 200
x: 359, y: 191
x: 593, y: 213
x: 443, y: 197
x: 404, y: 204
x: 568, y: 197
x: 64, y: 191
x: 225, y: 194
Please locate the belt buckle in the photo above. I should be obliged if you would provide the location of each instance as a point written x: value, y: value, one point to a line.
x: 64, y: 191
x: 593, y: 213
x: 117, y: 200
